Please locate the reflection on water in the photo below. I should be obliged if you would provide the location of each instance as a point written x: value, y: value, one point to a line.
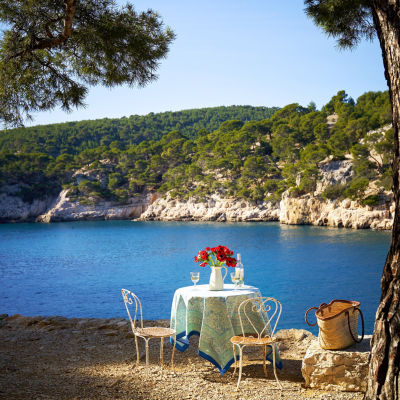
x: 77, y: 269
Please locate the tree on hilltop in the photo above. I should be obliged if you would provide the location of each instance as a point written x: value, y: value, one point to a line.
x: 51, y: 50
x: 350, y: 21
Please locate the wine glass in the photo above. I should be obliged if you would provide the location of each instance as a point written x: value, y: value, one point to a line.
x: 235, y: 279
x: 195, y: 276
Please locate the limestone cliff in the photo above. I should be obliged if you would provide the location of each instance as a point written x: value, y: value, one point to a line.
x: 64, y: 209
x: 14, y: 209
x: 305, y: 210
x: 310, y: 209
x: 216, y: 208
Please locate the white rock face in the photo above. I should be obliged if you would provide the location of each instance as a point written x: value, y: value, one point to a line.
x: 306, y: 210
x: 65, y: 210
x: 309, y: 209
x: 12, y: 208
x: 344, y: 370
x: 333, y: 173
x: 215, y: 209
x: 342, y: 214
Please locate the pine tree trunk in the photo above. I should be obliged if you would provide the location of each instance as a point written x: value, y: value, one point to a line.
x: 384, y: 364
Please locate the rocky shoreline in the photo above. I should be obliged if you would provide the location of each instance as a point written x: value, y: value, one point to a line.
x: 308, y: 209
x: 75, y: 358
x: 305, y: 210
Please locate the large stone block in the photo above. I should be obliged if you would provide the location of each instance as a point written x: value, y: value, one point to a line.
x: 341, y: 370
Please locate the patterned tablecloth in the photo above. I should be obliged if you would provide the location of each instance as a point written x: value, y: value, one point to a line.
x: 213, y: 315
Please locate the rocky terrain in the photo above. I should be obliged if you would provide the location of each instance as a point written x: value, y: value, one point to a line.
x: 310, y: 209
x: 60, y: 358
x: 306, y: 210
x: 65, y: 210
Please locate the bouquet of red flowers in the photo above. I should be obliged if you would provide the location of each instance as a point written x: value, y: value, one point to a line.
x: 215, y: 257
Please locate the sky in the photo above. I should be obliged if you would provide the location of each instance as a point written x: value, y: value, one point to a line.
x: 237, y: 52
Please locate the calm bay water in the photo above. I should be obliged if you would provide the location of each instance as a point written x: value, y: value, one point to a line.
x: 77, y: 269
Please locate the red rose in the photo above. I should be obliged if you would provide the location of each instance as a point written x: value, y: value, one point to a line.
x: 203, y: 264
x: 208, y: 249
x: 195, y: 259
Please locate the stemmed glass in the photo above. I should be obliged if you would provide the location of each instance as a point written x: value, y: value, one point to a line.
x: 195, y: 276
x: 235, y: 279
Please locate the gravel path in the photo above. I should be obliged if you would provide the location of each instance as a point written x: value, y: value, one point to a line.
x: 60, y: 358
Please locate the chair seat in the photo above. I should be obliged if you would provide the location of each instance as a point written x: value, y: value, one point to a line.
x: 253, y: 340
x: 155, y: 331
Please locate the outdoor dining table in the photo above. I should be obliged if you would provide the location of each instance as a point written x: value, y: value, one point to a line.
x: 212, y: 315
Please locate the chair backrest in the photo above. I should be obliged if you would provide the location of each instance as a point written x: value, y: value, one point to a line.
x: 260, y: 315
x: 132, y: 302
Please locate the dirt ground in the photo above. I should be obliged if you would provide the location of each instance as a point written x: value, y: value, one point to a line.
x: 60, y: 358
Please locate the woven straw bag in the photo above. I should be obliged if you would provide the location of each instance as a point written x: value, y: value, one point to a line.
x: 337, y: 322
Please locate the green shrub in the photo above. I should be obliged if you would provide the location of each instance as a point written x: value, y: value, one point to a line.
x: 356, y: 189
x: 334, y: 192
x: 257, y: 194
x: 386, y: 179
x: 271, y: 185
x: 295, y: 192
x: 372, y: 200
x: 274, y: 197
x: 38, y: 190
x: 244, y: 193
x: 307, y: 185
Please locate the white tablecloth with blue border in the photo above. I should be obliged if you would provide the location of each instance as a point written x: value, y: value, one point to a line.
x: 212, y: 315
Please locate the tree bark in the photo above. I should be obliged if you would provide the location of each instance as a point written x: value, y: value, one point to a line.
x: 384, y: 364
x: 51, y: 40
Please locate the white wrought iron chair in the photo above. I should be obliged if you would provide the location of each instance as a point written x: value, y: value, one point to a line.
x: 258, y: 320
x: 132, y: 302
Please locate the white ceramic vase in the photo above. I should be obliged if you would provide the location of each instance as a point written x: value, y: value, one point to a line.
x: 216, y: 279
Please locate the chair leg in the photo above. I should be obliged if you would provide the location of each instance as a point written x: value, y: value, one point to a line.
x: 161, y: 351
x: 137, y: 351
x: 273, y: 360
x: 147, y: 355
x: 173, y: 352
x: 240, y: 366
x: 234, y: 357
x: 264, y: 357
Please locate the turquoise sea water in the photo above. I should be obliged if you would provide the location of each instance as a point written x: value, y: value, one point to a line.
x: 77, y: 269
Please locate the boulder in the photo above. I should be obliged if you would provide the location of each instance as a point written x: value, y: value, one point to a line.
x: 340, y: 370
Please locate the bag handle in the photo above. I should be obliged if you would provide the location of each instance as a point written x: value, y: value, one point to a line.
x: 362, y: 321
x: 314, y: 308
x: 305, y: 316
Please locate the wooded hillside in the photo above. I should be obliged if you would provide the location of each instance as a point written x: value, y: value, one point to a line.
x: 242, y: 151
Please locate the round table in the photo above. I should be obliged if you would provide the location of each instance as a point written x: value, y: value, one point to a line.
x: 212, y: 315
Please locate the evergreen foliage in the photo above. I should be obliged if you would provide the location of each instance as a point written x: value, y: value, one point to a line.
x: 75, y: 137
x: 199, y: 152
x: 52, y: 50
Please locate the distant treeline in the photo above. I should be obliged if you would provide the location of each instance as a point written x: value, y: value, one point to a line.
x: 74, y: 137
x: 250, y: 152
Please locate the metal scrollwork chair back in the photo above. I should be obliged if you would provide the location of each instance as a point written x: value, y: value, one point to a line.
x: 134, y: 308
x: 131, y: 301
x: 258, y: 321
